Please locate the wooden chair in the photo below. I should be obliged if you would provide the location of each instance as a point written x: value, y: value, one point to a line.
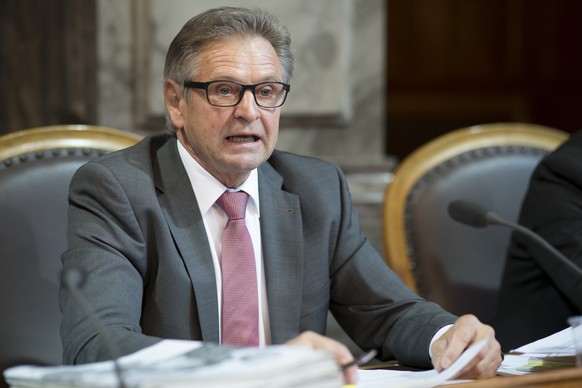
x: 36, y: 166
x: 446, y: 262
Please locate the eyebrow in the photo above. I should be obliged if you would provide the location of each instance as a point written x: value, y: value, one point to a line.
x: 271, y: 78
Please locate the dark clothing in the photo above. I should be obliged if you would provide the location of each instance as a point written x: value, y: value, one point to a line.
x: 538, y: 293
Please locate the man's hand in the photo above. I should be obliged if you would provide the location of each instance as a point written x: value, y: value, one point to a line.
x: 467, y: 331
x: 340, y: 351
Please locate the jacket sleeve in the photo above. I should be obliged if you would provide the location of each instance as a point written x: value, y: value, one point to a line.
x: 371, y: 302
x: 105, y: 242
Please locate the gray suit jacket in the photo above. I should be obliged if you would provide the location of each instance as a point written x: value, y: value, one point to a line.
x: 135, y: 229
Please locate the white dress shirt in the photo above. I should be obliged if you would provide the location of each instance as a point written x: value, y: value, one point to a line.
x: 207, y: 190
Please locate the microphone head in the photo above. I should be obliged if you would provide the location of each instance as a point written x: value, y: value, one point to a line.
x: 468, y: 213
x: 73, y: 278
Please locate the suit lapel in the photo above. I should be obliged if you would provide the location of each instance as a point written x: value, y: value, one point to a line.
x: 282, y: 240
x: 180, y: 207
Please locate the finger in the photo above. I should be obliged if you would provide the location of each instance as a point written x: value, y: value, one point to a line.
x: 351, y: 375
x: 438, y: 349
x: 339, y: 351
x: 487, y: 362
x: 463, y: 333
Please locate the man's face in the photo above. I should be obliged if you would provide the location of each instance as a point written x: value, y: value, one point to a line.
x: 229, y: 142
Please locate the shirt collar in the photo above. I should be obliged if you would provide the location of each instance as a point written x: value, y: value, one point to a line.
x: 207, y: 188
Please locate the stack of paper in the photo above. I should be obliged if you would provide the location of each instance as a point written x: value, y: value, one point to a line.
x: 175, y: 364
x: 554, y: 351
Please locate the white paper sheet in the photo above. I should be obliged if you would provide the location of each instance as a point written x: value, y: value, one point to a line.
x: 382, y: 378
x: 554, y: 351
x: 558, y: 344
x: 177, y: 364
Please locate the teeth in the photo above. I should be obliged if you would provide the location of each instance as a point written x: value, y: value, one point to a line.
x: 242, y: 139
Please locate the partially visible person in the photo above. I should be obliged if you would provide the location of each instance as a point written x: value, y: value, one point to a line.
x: 146, y: 224
x: 536, y: 301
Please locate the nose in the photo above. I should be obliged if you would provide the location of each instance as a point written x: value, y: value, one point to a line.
x: 247, y: 108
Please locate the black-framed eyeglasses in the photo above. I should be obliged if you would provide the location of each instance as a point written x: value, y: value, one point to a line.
x: 230, y: 93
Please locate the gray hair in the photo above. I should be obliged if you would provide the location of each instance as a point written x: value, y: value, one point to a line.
x: 182, y: 60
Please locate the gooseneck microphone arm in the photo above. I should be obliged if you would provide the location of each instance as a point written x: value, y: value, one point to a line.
x: 546, y: 245
x: 566, y: 275
x: 74, y: 279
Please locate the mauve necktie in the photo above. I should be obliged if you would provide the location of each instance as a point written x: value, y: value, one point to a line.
x: 240, y: 306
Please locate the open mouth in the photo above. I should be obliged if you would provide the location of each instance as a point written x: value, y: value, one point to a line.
x: 242, y: 139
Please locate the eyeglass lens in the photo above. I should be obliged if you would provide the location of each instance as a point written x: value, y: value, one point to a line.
x: 226, y: 93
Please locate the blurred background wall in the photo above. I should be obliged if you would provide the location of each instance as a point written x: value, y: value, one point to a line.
x: 453, y: 63
x: 374, y: 80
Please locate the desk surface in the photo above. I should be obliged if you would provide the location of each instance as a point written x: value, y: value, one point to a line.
x: 562, y: 378
x: 557, y: 378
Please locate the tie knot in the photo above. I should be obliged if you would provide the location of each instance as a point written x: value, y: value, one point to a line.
x: 234, y: 204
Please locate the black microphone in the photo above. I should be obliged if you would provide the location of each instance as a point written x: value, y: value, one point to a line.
x: 471, y: 214
x: 74, y: 279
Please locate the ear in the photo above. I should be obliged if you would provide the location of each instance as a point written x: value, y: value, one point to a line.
x: 173, y: 97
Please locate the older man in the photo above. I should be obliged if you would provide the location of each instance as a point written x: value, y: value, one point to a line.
x: 147, y: 224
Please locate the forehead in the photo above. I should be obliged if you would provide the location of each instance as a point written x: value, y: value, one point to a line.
x: 239, y: 57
